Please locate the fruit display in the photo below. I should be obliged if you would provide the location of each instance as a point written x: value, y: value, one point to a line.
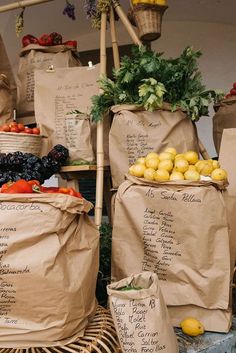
x: 53, y: 38
x: 170, y: 165
x: 19, y: 128
x: 232, y: 92
x: 19, y: 165
x: 192, y: 327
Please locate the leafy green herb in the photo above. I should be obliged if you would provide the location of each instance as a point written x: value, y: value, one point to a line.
x: 147, y: 79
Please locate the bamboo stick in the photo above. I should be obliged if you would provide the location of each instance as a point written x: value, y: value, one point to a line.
x: 120, y: 12
x: 100, y: 152
x: 21, y: 4
x: 203, y: 150
x: 116, y: 56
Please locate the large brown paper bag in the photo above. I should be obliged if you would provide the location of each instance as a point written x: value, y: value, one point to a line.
x: 224, y: 118
x: 48, y: 269
x: 134, y: 133
x: 6, y: 100
x: 37, y: 57
x: 59, y: 93
x: 180, y: 231
x: 140, y: 315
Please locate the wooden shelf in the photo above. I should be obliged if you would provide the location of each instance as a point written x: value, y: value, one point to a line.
x: 77, y: 168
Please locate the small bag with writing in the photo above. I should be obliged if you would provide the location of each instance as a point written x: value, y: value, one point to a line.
x: 6, y: 100
x: 140, y: 315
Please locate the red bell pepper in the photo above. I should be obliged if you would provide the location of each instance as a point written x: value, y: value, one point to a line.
x: 45, y: 40
x: 19, y: 187
x: 71, y: 43
x: 56, y: 38
x: 29, y: 39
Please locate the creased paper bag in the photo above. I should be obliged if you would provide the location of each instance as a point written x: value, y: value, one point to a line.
x: 48, y: 269
x: 59, y: 93
x: 134, y: 133
x: 37, y: 57
x: 140, y: 315
x: 178, y: 230
x: 6, y: 100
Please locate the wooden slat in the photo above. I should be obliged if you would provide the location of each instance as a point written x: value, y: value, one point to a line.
x: 77, y: 168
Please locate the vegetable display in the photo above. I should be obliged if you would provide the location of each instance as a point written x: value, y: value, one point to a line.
x: 19, y: 128
x: 45, y: 39
x: 146, y: 79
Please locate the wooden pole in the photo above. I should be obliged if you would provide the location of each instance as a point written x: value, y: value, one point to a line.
x: 21, y: 4
x: 124, y: 19
x: 116, y: 56
x: 203, y: 150
x: 100, y: 152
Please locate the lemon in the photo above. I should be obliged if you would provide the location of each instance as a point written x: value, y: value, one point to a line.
x: 151, y: 155
x: 176, y: 176
x: 166, y: 155
x: 192, y: 327
x: 205, y: 168
x: 171, y: 150
x: 191, y: 175
x: 152, y: 163
x: 149, y: 174
x: 181, y: 165
x: 192, y: 167
x: 138, y: 170
x: 180, y: 155
x: 141, y: 160
x: 166, y: 164
x: 219, y: 174
x: 191, y: 157
x: 215, y: 164
x: 161, y: 175
x: 131, y: 170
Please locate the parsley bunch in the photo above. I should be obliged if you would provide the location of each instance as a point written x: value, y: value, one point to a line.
x: 147, y: 79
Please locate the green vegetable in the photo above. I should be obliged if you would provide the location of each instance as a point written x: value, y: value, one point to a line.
x: 147, y: 79
x: 129, y: 287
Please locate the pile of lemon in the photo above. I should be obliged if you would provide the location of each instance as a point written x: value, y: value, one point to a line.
x: 170, y: 165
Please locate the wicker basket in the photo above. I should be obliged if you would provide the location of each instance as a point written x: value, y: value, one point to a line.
x: 26, y: 143
x: 148, y: 19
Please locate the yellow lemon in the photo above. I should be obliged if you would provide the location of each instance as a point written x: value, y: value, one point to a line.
x: 166, y: 155
x: 151, y: 155
x: 180, y: 155
x: 191, y: 175
x: 219, y: 174
x: 199, y: 164
x: 192, y: 167
x: 191, y: 157
x: 205, y: 168
x: 152, y: 163
x: 138, y: 170
x: 131, y: 170
x: 181, y: 165
x: 176, y: 176
x: 215, y: 164
x: 171, y: 150
x: 166, y: 164
x: 192, y: 327
x: 141, y: 160
x: 161, y: 175
x: 149, y: 174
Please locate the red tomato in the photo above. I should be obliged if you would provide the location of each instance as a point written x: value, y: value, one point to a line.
x: 14, y: 129
x: 6, y: 128
x: 13, y: 123
x: 28, y: 130
x: 234, y: 85
x: 36, y: 131
x: 233, y: 92
x: 21, y: 127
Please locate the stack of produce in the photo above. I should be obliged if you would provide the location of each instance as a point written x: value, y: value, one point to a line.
x: 19, y: 128
x: 53, y: 38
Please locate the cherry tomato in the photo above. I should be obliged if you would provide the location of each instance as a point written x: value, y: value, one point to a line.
x: 14, y: 129
x: 233, y: 92
x: 6, y: 128
x: 21, y: 127
x: 28, y: 130
x: 36, y: 131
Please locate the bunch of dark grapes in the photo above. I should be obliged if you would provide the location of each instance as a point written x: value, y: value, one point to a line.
x: 69, y: 10
x: 18, y: 165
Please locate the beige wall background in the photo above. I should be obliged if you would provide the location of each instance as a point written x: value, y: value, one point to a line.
x: 216, y: 40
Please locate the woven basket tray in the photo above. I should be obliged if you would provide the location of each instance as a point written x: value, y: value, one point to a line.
x: 26, y: 143
x: 148, y: 19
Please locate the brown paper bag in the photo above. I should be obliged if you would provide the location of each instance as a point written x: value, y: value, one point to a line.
x: 191, y: 258
x: 134, y: 133
x: 59, y: 93
x: 6, y: 100
x: 48, y: 269
x: 140, y: 315
x: 37, y: 57
x: 224, y: 118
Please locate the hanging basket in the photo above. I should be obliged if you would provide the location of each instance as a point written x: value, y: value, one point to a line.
x: 26, y: 143
x: 148, y: 19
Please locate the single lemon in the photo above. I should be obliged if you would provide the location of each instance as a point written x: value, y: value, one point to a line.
x: 138, y: 170
x: 152, y: 163
x: 191, y: 157
x: 192, y: 167
x: 192, y: 327
x: 215, y: 164
x: 171, y: 150
x: 181, y: 165
x: 161, y: 175
x: 205, y: 168
x: 219, y: 174
x: 176, y: 176
x: 166, y: 164
x: 166, y: 155
x: 141, y: 160
x: 131, y: 170
x: 149, y: 174
x: 191, y: 175
x: 180, y: 155
x: 151, y: 155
